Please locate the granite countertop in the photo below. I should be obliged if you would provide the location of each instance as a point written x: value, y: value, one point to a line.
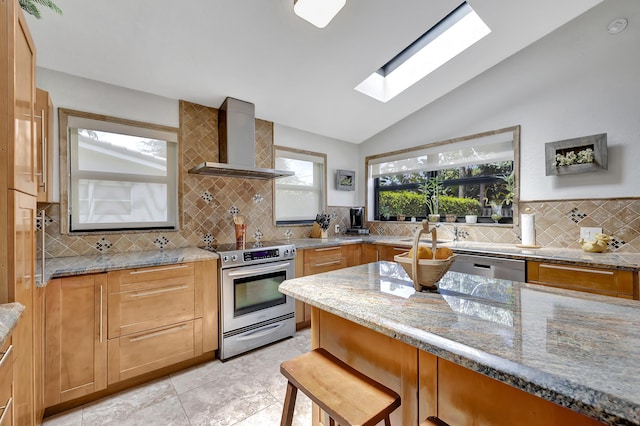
x: 79, y: 265
x: 10, y: 313
x: 578, y: 350
x: 623, y: 261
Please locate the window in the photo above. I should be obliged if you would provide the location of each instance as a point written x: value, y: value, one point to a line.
x: 471, y: 175
x: 300, y: 197
x: 458, y: 31
x: 122, y: 175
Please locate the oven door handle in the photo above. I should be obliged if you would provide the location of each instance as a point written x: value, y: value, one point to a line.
x: 262, y: 331
x: 253, y: 271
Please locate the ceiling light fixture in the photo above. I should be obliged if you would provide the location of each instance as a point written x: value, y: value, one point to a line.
x: 318, y: 12
x: 451, y: 36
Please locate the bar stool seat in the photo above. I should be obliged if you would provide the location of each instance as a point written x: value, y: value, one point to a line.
x: 348, y: 396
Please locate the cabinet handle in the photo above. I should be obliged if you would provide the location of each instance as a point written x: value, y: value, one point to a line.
x: 334, y: 262
x: 400, y: 249
x: 158, y: 333
x: 43, y: 153
x: 5, y: 355
x: 6, y: 409
x: 568, y: 268
x: 161, y: 290
x: 100, y: 314
x: 44, y: 237
x: 167, y: 268
x: 328, y: 248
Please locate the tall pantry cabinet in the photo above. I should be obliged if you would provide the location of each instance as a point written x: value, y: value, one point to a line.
x: 18, y: 190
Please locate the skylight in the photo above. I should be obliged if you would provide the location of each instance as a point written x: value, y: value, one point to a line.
x: 451, y: 36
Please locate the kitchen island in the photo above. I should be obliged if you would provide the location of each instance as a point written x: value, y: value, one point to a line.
x: 497, y: 351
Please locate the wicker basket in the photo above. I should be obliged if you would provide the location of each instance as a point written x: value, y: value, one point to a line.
x: 425, y: 273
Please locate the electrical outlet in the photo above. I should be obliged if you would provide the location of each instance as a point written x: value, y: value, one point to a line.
x: 337, y: 229
x: 589, y: 233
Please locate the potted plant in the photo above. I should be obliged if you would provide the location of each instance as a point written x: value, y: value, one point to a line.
x: 431, y: 190
x: 502, y: 197
x: 385, y: 212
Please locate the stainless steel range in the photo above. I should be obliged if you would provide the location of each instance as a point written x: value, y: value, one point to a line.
x: 253, y: 312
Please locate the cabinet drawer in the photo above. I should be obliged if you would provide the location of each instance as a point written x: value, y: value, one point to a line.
x: 6, y: 382
x: 609, y: 282
x: 323, y: 260
x: 139, y: 353
x: 142, y: 299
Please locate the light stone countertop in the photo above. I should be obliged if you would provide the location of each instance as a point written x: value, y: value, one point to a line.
x: 611, y: 260
x: 79, y: 265
x: 579, y: 350
x: 10, y: 313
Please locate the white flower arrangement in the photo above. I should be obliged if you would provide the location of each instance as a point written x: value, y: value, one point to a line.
x: 581, y: 157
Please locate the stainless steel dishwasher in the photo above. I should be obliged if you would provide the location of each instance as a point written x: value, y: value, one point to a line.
x: 490, y: 266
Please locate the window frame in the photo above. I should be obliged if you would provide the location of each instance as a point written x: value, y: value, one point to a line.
x: 372, y: 182
x: 323, y: 196
x: 68, y: 119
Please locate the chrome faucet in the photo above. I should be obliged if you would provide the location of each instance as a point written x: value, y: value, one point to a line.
x: 455, y: 230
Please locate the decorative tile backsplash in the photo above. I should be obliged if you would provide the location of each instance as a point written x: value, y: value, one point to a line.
x: 208, y: 203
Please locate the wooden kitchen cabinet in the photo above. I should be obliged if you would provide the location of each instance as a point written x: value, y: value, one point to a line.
x: 159, y: 316
x: 147, y: 298
x: 6, y: 383
x: 322, y: 259
x: 44, y: 145
x: 75, y: 337
x: 156, y: 317
x: 609, y: 282
x: 18, y: 94
x: 465, y: 397
x: 377, y: 252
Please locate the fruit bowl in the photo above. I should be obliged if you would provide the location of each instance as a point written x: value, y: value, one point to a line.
x: 425, y: 273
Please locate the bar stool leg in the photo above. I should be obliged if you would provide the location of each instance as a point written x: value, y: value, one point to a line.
x: 289, y: 405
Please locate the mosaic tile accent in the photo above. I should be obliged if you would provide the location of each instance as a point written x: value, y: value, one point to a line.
x: 206, y: 196
x: 208, y: 239
x: 161, y: 242
x: 103, y: 245
x: 257, y: 235
x: 288, y: 234
x: 233, y: 210
x: 258, y: 198
x: 576, y: 215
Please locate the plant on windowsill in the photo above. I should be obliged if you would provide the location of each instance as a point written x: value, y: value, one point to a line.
x: 431, y: 190
x: 31, y: 7
x: 502, y: 197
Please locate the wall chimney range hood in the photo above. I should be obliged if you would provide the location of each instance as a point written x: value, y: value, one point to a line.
x: 237, y: 142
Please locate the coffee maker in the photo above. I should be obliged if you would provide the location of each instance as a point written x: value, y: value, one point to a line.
x: 356, y: 221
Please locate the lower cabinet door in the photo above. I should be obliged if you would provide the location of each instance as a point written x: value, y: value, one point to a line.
x: 75, y: 337
x: 140, y: 353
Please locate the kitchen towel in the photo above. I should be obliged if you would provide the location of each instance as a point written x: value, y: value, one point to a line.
x: 528, y: 228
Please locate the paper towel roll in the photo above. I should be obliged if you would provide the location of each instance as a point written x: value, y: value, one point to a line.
x: 528, y: 228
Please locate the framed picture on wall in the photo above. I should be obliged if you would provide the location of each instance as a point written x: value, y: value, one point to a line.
x: 346, y: 180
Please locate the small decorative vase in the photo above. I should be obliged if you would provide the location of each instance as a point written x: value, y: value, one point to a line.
x: 471, y: 218
x: 451, y: 218
x: 496, y: 213
x: 400, y: 218
x: 434, y: 218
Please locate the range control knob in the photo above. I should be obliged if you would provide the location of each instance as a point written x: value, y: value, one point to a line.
x: 286, y: 252
x: 293, y: 251
x: 234, y: 258
x: 225, y: 258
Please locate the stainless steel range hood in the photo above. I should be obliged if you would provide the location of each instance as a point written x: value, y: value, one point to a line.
x: 237, y: 141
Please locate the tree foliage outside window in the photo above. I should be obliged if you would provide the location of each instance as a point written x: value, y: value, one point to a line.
x: 460, y: 191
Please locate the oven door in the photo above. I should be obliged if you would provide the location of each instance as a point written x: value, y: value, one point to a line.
x: 249, y: 294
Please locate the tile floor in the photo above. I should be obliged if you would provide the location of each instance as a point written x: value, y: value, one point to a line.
x: 244, y: 391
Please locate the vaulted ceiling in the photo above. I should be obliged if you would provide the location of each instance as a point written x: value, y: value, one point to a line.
x: 260, y: 51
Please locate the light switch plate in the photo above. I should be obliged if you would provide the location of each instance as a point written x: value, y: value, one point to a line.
x: 589, y: 233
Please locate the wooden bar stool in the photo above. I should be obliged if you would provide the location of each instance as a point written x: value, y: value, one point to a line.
x: 348, y: 396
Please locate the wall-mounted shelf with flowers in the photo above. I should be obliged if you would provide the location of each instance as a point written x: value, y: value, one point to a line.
x: 578, y: 155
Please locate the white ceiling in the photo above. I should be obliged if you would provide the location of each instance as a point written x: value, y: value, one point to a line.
x: 259, y: 51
